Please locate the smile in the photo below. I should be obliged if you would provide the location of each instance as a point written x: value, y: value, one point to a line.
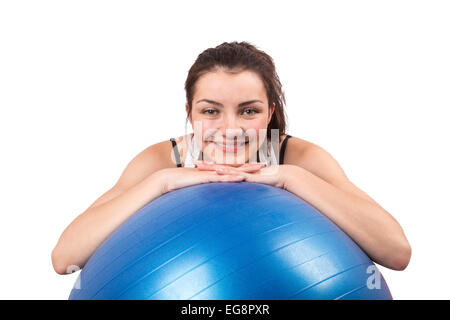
x: 229, y: 147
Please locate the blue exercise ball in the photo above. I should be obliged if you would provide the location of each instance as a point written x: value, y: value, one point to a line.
x: 229, y: 241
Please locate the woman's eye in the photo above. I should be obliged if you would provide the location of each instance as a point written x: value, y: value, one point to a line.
x: 209, y: 111
x: 250, y: 112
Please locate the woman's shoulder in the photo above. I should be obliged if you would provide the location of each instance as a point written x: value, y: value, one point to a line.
x: 182, y: 144
x: 161, y: 155
x: 313, y: 158
x: 297, y: 150
x: 167, y: 148
x: 151, y: 159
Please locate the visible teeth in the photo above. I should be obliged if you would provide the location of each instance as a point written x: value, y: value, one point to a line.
x: 229, y: 145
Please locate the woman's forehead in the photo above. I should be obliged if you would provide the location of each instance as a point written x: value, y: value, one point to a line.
x: 230, y: 87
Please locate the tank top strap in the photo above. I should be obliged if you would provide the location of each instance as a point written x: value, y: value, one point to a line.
x: 175, y: 152
x: 283, y: 148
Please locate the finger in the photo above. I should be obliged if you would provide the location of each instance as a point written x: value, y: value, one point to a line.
x: 221, y: 171
x: 228, y: 170
x: 250, y: 168
x: 205, y: 166
x: 253, y: 168
x: 251, y: 164
x: 202, y: 163
x: 212, y: 168
x: 199, y: 164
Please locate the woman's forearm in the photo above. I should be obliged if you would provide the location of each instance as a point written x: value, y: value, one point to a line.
x: 369, y: 225
x: 85, y: 234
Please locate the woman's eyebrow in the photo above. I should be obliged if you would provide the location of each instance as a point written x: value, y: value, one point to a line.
x: 242, y: 104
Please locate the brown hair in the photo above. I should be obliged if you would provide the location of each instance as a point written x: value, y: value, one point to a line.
x: 241, y: 56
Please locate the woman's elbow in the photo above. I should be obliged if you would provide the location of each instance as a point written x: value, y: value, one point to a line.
x: 401, y: 257
x: 61, y: 265
x: 57, y: 262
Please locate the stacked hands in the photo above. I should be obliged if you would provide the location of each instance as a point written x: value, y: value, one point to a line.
x: 204, y: 172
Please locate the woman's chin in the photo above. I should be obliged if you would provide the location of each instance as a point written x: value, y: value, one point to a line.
x: 230, y: 159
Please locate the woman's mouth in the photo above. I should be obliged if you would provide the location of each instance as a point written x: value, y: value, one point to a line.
x: 229, y: 146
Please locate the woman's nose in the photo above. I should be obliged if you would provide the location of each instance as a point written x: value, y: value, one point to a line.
x: 231, y: 133
x: 231, y: 127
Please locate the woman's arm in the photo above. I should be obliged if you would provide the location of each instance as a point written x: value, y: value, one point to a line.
x: 366, y: 222
x: 325, y: 186
x: 83, y: 236
x: 137, y: 185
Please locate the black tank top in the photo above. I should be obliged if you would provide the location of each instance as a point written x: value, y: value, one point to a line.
x: 178, y: 160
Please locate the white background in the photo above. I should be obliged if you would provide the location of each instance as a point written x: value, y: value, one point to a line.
x: 86, y: 85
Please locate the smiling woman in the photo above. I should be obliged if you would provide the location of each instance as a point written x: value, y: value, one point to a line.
x: 235, y: 105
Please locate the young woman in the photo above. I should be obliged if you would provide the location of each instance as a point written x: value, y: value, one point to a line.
x: 235, y: 106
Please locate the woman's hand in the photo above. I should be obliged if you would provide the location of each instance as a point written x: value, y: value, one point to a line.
x: 246, y: 167
x: 276, y: 175
x: 175, y: 178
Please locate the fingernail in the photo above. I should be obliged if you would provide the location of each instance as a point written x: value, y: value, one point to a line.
x: 220, y: 170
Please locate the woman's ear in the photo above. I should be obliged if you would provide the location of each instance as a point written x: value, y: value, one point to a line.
x: 187, y: 112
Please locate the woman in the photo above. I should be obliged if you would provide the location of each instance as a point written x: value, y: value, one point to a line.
x: 235, y: 106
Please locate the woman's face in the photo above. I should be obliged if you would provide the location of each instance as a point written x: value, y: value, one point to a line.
x: 230, y: 115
